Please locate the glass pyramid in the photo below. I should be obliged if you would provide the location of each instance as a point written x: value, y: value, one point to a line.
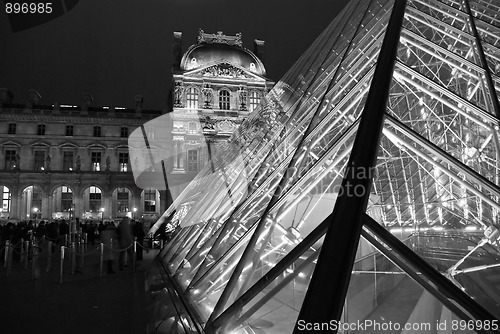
x: 373, y: 165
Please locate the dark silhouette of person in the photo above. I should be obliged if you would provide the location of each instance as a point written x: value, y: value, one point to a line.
x: 138, y: 232
x: 125, y: 239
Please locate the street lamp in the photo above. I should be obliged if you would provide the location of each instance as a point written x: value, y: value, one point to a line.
x: 134, y: 211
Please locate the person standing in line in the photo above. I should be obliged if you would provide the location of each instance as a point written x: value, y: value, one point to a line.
x: 125, y: 238
x: 138, y: 231
x: 109, y: 238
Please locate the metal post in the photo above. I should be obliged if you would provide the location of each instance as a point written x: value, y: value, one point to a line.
x: 101, y: 245
x: 9, y: 249
x: 82, y: 255
x: 34, y: 260
x: 161, y: 244
x: 135, y: 254
x: 49, y: 256
x: 61, y: 266
x: 6, y: 257
x: 27, y: 254
x: 73, y: 258
x: 21, y: 258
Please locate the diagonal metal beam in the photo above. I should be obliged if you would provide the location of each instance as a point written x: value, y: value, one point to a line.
x: 331, y: 276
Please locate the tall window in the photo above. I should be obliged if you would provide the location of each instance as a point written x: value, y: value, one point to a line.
x: 254, y: 100
x: 122, y: 197
x: 192, y: 98
x: 66, y: 199
x: 67, y: 160
x: 10, y: 159
x: 69, y: 130
x: 224, y: 100
x: 6, y: 199
x: 41, y: 129
x: 39, y: 160
x: 96, y: 161
x: 149, y: 200
x: 123, y: 161
x: 94, y: 199
x: 97, y: 131
x: 124, y: 132
x: 192, y: 160
x: 12, y: 128
x: 192, y: 127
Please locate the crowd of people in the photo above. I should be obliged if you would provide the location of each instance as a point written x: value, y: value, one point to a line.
x: 118, y: 239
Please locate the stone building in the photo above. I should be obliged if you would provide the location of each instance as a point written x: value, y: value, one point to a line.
x: 62, y: 161
x: 217, y: 83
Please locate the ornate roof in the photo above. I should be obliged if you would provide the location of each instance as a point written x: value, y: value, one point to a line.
x: 212, y: 49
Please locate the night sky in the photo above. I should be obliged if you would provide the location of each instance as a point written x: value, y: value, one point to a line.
x: 115, y: 49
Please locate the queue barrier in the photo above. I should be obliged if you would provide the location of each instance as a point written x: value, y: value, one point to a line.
x: 33, y: 251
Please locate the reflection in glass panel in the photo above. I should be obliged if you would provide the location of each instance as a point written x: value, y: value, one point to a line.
x: 384, y: 299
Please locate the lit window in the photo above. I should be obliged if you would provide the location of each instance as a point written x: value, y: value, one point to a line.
x: 254, y: 100
x: 149, y: 200
x: 67, y: 160
x: 124, y: 132
x: 97, y: 131
x: 94, y: 199
x: 10, y: 159
x: 12, y: 128
x: 122, y: 199
x: 6, y: 199
x: 66, y: 199
x: 192, y: 98
x: 192, y: 127
x: 192, y: 160
x: 69, y: 130
x: 123, y: 161
x: 41, y: 129
x: 96, y: 161
x: 39, y: 160
x: 224, y: 100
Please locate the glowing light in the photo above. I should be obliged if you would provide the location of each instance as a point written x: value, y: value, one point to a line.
x: 302, y: 275
x: 396, y: 230
x: 35, y: 210
x: 438, y: 228
x: 135, y: 209
x: 471, y: 228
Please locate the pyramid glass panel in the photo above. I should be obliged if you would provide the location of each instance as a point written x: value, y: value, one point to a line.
x: 382, y: 298
x: 275, y: 199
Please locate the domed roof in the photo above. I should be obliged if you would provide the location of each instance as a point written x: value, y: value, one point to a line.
x: 218, y: 48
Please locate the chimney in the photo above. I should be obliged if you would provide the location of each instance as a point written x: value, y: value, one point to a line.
x: 177, y: 50
x: 138, y: 104
x: 258, y: 49
x: 57, y: 108
x: 111, y: 110
x: 6, y: 96
x: 33, y: 99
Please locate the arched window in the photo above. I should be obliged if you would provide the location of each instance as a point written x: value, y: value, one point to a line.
x: 192, y: 98
x: 6, y: 199
x: 224, y: 100
x: 254, y: 100
x: 94, y: 199
x: 66, y: 198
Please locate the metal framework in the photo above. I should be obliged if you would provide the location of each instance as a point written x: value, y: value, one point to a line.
x: 369, y: 178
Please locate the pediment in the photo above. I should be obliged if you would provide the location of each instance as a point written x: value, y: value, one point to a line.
x: 68, y: 145
x: 96, y: 146
x: 11, y: 143
x: 224, y: 70
x: 40, y: 144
